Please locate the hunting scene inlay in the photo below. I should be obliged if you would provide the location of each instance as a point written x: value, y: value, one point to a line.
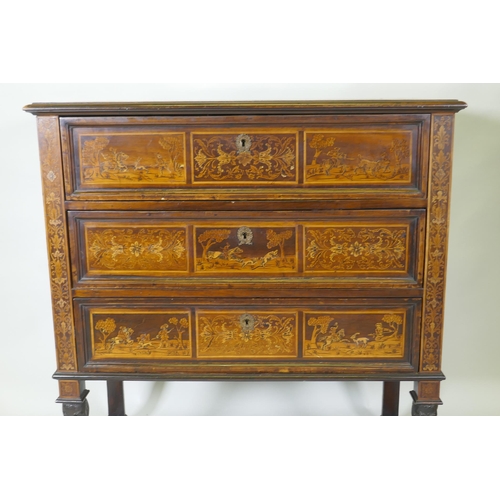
x: 358, y: 157
x: 230, y: 334
x: 133, y: 158
x: 245, y: 157
x: 141, y: 335
x: 354, y: 334
x: 137, y: 249
x: 256, y: 250
x: 354, y: 249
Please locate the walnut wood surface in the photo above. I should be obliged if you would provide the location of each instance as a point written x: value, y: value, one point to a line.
x: 335, y: 247
x: 271, y: 240
x: 390, y: 399
x: 141, y: 332
x: 230, y: 108
x: 250, y: 157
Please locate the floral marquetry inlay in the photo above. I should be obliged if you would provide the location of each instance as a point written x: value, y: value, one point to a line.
x: 247, y: 241
x: 228, y: 334
x: 356, y: 248
x: 48, y: 132
x: 437, y: 236
x: 245, y: 157
x: 136, y: 249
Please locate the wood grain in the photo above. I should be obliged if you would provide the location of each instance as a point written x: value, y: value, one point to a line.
x: 247, y: 241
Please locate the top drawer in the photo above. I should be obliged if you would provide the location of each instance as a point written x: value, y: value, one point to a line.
x: 245, y: 157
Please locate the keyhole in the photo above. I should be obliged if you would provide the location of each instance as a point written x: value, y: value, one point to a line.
x: 245, y: 235
x: 243, y: 143
x: 247, y: 322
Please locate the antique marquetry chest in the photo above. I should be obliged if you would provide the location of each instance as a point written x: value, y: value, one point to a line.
x: 262, y: 240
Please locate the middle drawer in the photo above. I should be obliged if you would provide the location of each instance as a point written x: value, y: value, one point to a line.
x: 367, y: 247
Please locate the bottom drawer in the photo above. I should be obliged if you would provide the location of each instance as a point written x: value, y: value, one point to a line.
x: 126, y: 335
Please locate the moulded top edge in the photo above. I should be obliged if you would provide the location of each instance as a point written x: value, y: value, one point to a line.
x: 238, y: 107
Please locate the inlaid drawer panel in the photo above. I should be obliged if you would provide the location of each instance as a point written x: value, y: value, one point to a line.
x: 248, y: 158
x: 350, y: 156
x: 140, y: 333
x: 134, y: 248
x: 355, y: 330
x: 131, y: 159
x: 171, y: 159
x: 248, y: 333
x: 249, y: 247
x: 383, y: 246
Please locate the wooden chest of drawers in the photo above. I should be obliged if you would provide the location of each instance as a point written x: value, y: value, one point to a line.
x: 202, y: 241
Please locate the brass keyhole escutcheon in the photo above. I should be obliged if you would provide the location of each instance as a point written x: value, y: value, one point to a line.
x: 243, y: 143
x: 247, y: 323
x: 245, y: 235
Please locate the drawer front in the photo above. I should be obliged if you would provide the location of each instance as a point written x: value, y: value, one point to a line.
x: 156, y: 158
x: 358, y: 331
x: 360, y: 246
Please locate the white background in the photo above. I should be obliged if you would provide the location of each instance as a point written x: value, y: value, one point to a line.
x: 204, y: 42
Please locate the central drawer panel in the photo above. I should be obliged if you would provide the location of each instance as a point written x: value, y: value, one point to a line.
x: 123, y: 248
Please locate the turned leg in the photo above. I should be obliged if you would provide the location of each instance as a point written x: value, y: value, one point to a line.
x: 73, y: 396
x: 425, y: 399
x: 116, y: 401
x: 390, y: 399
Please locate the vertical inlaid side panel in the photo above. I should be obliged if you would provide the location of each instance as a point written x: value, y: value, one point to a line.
x: 437, y: 241
x: 59, y: 266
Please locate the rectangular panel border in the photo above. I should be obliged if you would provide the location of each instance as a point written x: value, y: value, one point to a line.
x: 359, y: 130
x: 248, y: 310
x: 402, y: 311
x: 91, y: 312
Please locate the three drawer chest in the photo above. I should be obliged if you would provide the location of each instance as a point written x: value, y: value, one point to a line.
x: 247, y: 241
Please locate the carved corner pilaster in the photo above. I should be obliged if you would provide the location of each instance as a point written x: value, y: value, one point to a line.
x: 57, y: 244
x: 437, y: 241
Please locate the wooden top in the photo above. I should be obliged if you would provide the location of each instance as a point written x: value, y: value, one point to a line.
x: 239, y: 107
